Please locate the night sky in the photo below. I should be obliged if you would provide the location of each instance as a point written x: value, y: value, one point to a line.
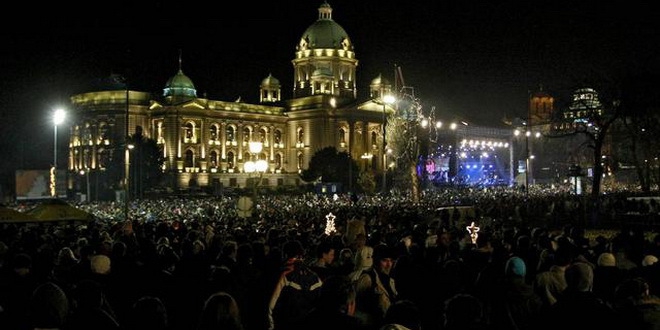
x: 475, y: 60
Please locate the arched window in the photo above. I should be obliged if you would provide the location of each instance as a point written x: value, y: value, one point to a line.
x: 374, y: 140
x: 87, y: 135
x: 87, y: 158
x: 104, y: 135
x: 278, y: 161
x: 277, y: 135
x: 189, y: 132
x: 300, y: 136
x: 189, y: 159
x: 300, y: 161
x: 342, y: 137
x: 230, y: 159
x: 213, y: 133
x: 246, y: 135
x: 230, y: 133
x: 160, y: 138
x: 263, y: 136
x: 213, y: 158
x: 102, y: 158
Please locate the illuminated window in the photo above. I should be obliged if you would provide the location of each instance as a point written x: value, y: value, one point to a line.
x: 160, y: 137
x: 103, y: 158
x: 213, y: 158
x: 278, y: 136
x: 278, y: 161
x: 231, y: 135
x: 213, y: 132
x: 104, y: 136
x: 189, y: 131
x: 300, y: 161
x: 87, y: 159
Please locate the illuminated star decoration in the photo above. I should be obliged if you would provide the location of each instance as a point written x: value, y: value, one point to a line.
x: 473, y: 230
x: 329, y: 224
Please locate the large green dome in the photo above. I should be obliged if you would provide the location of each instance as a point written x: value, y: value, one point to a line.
x: 180, y: 85
x: 326, y: 33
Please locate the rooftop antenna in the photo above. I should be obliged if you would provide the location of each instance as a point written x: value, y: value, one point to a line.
x: 180, y: 59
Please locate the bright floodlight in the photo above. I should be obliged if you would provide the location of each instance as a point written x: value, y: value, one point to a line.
x: 249, y: 166
x: 389, y: 99
x: 256, y: 147
x: 58, y: 116
x: 261, y: 165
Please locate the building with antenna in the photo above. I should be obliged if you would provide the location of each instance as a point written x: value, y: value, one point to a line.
x: 205, y: 142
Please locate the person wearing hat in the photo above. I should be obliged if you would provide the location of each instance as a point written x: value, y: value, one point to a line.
x: 607, y: 276
x: 513, y: 304
x: 296, y: 292
x: 376, y: 289
x: 578, y: 307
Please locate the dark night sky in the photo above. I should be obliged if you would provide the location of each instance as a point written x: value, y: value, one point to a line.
x: 474, y: 59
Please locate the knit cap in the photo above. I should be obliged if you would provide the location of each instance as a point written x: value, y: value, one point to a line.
x: 363, y: 258
x: 515, y: 266
x: 649, y: 260
x: 100, y: 264
x: 579, y: 277
x: 606, y: 259
x: 383, y: 251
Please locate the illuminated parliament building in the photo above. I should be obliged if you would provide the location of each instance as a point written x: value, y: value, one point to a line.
x: 206, y: 142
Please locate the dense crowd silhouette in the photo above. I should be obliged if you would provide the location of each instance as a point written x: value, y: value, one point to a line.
x: 540, y: 261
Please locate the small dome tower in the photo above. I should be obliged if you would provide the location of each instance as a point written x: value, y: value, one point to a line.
x: 270, y: 90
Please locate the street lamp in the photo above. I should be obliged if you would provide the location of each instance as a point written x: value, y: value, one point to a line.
x: 127, y: 158
x: 528, y: 154
x: 259, y: 166
x: 386, y: 99
x: 58, y: 118
x: 430, y: 128
x: 86, y: 174
x: 367, y: 158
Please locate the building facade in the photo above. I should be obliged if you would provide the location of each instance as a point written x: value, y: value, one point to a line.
x: 205, y: 142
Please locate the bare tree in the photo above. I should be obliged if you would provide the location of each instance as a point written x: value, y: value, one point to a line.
x: 591, y: 115
x: 404, y: 141
x: 639, y: 146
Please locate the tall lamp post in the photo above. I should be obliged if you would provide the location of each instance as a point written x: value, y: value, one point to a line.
x: 127, y: 158
x: 86, y: 174
x: 526, y: 173
x: 58, y: 118
x: 529, y: 156
x: 259, y: 165
x: 387, y: 99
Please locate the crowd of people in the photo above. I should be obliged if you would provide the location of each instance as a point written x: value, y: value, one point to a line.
x: 329, y: 262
